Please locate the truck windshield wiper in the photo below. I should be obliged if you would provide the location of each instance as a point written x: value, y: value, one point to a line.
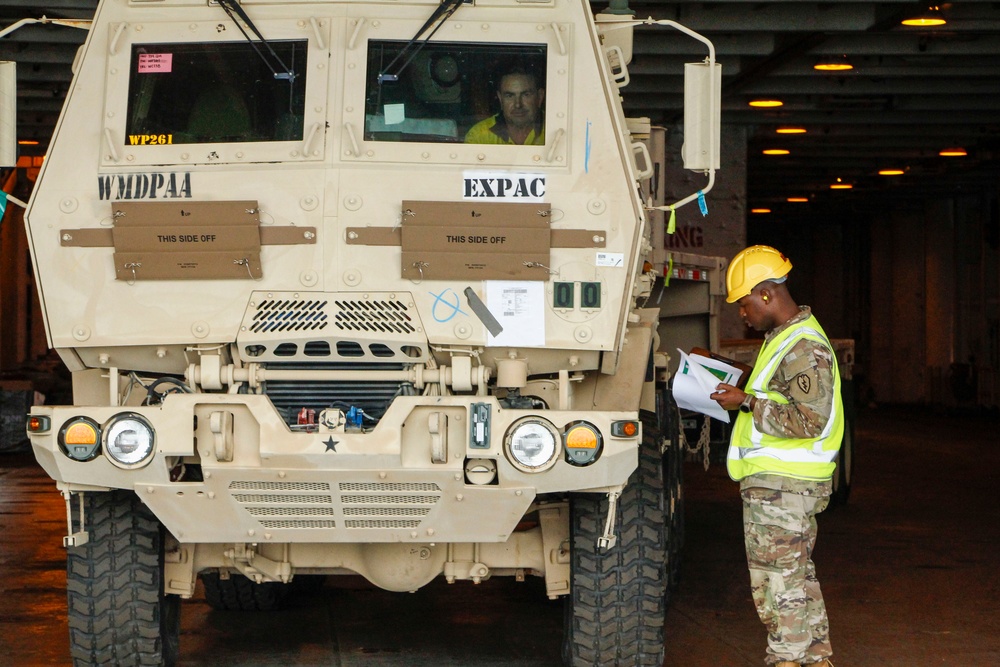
x: 440, y: 15
x: 239, y: 17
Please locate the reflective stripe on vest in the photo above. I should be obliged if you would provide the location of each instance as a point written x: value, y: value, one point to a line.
x: 806, y: 458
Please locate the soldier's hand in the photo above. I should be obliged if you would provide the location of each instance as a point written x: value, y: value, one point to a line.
x: 728, y: 396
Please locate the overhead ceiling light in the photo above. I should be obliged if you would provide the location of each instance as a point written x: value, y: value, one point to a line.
x: 798, y: 200
x: 890, y: 172
x: 791, y: 130
x: 953, y: 152
x: 929, y: 16
x: 760, y: 210
x: 27, y: 142
x: 776, y: 151
x: 840, y: 185
x: 766, y: 104
x: 833, y: 64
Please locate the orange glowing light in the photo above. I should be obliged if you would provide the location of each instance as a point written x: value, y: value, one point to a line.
x: 766, y: 104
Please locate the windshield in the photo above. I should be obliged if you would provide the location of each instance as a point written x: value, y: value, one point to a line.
x: 193, y: 93
x: 458, y: 92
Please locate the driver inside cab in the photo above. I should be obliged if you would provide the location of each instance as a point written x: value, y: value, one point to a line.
x: 520, y: 120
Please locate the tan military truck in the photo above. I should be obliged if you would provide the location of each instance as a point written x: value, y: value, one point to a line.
x: 317, y: 325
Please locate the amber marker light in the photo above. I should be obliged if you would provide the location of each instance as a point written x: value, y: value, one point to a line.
x: 953, y: 152
x: 80, y: 439
x: 791, y: 130
x: 890, y: 172
x: 625, y: 429
x: 766, y: 104
x: 760, y: 210
x: 583, y: 443
x: 38, y: 424
x: 798, y: 200
x: 776, y: 151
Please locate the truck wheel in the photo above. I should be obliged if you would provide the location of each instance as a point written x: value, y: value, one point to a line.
x: 617, y: 602
x: 240, y: 594
x: 118, y: 613
x: 673, y: 463
x: 673, y: 466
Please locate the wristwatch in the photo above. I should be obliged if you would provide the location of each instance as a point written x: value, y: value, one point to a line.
x: 745, y: 405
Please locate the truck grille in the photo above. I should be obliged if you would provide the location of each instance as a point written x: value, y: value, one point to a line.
x: 374, y: 397
x: 279, y: 316
x: 316, y: 505
x: 375, y: 327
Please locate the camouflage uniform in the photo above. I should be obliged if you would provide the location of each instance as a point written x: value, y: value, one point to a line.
x: 779, y: 513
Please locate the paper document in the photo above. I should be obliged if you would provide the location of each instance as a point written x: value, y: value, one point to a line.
x: 696, y: 380
x: 519, y: 307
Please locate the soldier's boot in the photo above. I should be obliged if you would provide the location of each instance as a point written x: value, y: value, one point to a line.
x: 822, y: 663
x: 788, y: 663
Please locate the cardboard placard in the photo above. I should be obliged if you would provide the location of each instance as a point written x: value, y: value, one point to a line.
x: 133, y: 266
x: 475, y: 241
x: 186, y: 240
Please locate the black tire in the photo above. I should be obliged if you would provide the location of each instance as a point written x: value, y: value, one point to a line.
x: 617, y: 602
x: 668, y: 418
x: 237, y: 593
x: 673, y: 465
x: 118, y: 614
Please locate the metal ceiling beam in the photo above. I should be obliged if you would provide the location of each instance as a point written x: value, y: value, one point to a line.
x: 899, y: 43
x: 47, y: 34
x: 770, y: 17
x: 810, y: 85
x: 664, y: 43
x: 38, y: 53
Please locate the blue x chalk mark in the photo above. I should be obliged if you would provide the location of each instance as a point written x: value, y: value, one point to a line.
x: 449, y: 300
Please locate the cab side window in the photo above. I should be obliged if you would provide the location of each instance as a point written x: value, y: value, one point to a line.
x: 444, y: 90
x: 194, y: 93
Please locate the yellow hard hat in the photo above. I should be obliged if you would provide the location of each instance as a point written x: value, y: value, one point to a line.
x: 753, y: 266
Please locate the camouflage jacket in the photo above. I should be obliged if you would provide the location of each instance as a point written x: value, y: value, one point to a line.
x: 805, y: 377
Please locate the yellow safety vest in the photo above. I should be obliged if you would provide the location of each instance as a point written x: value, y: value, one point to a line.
x: 752, y: 452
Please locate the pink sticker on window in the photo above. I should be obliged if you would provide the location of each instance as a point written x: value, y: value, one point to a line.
x: 155, y: 62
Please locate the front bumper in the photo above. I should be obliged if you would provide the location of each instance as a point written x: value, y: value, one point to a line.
x: 259, y: 481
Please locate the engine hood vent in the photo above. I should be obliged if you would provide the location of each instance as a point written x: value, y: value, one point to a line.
x: 333, y: 327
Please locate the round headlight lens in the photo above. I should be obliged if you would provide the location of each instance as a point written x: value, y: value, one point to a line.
x: 128, y: 440
x: 532, y: 445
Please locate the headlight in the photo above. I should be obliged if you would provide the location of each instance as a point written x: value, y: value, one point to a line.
x: 128, y: 440
x: 80, y: 438
x: 532, y: 444
x: 583, y: 443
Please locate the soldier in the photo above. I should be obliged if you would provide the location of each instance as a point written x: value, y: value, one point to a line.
x: 782, y: 451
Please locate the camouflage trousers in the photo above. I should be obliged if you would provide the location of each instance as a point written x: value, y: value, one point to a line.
x: 780, y: 532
